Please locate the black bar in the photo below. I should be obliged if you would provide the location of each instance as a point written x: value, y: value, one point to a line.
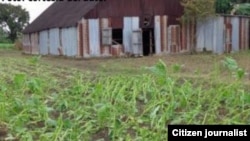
x: 208, y: 132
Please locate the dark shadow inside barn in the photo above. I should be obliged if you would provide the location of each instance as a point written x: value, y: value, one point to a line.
x: 249, y: 35
x: 117, y: 37
x: 148, y: 41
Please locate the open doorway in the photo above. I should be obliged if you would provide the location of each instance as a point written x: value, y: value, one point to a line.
x: 117, y: 37
x: 148, y: 41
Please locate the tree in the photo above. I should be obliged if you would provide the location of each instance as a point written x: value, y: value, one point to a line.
x: 242, y: 9
x: 13, y: 19
x: 231, y: 6
x: 224, y: 6
x: 196, y: 10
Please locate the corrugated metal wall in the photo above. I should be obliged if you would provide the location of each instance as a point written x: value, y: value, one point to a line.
x: 44, y: 42
x: 157, y: 34
x: 94, y: 37
x: 136, y: 8
x: 26, y: 44
x: 85, y: 36
x: 174, y: 43
x: 106, y: 36
x: 223, y: 34
x: 54, y: 41
x: 205, y: 35
x: 220, y: 34
x: 130, y: 24
x: 161, y: 34
x: 34, y: 38
x: 236, y: 36
x: 69, y: 41
x: 210, y: 35
x: 137, y: 43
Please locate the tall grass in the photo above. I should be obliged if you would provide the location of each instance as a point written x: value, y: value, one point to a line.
x: 41, y: 102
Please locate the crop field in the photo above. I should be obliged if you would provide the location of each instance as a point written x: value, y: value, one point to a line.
x: 120, y: 99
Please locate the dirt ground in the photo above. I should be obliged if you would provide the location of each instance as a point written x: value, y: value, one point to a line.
x: 202, y: 63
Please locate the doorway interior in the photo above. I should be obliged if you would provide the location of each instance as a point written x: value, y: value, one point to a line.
x: 117, y: 36
x: 148, y: 41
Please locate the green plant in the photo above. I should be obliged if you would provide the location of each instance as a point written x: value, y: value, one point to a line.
x: 44, y: 102
x: 176, y: 67
x: 35, y: 59
x: 232, y: 65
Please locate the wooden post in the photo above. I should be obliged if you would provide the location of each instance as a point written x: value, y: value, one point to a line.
x: 150, y: 42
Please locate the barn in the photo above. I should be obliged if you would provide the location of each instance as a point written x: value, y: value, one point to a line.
x: 84, y: 29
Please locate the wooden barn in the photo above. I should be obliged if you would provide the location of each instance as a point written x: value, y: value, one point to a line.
x: 86, y: 29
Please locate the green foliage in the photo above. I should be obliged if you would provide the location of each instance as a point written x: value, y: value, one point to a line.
x: 160, y: 71
x: 176, y: 67
x: 236, y: 7
x: 35, y: 60
x: 197, y: 9
x: 232, y: 65
x: 4, y: 36
x: 13, y: 19
x: 242, y: 9
x: 223, y: 6
x: 6, y: 46
x: 44, y: 102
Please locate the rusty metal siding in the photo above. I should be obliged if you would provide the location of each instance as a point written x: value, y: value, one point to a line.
x: 84, y: 38
x: 247, y: 33
x: 69, y: 41
x: 174, y: 42
x: 223, y: 34
x: 94, y: 37
x: 106, y: 37
x: 164, y: 34
x: 139, y: 8
x: 44, y: 42
x: 161, y: 34
x: 244, y: 37
x: 185, y: 36
x: 26, y: 44
x: 80, y: 39
x: 54, y: 41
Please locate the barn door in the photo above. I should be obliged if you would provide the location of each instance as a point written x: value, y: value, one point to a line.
x: 106, y: 36
x: 94, y: 37
x: 130, y: 24
x: 157, y: 33
x: 137, y: 43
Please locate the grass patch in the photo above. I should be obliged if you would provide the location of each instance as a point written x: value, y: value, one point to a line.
x: 41, y: 101
x: 6, y: 46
